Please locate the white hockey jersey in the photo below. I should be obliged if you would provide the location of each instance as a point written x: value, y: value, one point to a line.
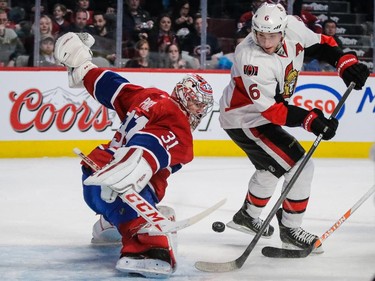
x: 256, y: 77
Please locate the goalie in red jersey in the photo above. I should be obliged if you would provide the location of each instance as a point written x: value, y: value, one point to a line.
x: 154, y: 140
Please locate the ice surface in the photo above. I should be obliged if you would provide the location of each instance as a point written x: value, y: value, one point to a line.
x: 46, y: 227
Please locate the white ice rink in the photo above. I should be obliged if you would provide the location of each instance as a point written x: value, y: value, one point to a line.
x: 45, y: 226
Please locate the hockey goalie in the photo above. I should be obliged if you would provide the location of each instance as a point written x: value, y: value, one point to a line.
x: 153, y: 141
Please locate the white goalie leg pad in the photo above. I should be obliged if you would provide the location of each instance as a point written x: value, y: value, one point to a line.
x: 104, y: 233
x: 170, y: 214
x: 71, y: 51
x: 127, y: 170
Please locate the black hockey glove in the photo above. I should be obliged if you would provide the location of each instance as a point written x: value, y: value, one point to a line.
x: 316, y: 122
x: 350, y: 70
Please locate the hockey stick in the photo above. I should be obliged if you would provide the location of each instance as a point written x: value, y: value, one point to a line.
x: 239, y: 262
x: 273, y: 252
x: 147, y: 211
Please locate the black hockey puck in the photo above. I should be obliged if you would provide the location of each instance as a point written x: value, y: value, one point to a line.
x: 218, y: 226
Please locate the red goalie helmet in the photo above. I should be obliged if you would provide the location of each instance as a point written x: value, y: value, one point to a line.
x: 196, y: 90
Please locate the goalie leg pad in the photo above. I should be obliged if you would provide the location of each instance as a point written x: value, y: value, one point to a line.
x: 104, y: 233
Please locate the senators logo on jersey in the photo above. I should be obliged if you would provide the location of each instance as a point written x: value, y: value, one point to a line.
x: 250, y: 70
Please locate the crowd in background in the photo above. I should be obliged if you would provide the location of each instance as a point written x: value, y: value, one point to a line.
x: 155, y: 34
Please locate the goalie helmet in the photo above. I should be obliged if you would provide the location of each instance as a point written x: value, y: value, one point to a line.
x: 270, y: 18
x: 194, y: 89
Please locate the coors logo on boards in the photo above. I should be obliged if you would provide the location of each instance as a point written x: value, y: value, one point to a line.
x: 57, y: 108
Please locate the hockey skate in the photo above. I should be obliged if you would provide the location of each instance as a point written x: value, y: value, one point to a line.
x: 296, y: 238
x: 148, y: 254
x: 104, y: 233
x: 245, y: 223
x: 155, y: 263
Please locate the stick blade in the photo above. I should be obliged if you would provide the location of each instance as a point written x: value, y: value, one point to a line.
x: 273, y: 252
x: 216, y: 267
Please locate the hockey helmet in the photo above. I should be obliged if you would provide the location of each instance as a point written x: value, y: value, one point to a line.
x: 270, y: 18
x: 196, y: 89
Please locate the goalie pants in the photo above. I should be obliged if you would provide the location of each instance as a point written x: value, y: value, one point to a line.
x: 117, y: 212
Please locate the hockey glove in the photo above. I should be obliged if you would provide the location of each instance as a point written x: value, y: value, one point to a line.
x: 316, y: 122
x: 350, y: 70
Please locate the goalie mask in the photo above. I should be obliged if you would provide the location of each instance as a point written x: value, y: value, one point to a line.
x: 194, y: 94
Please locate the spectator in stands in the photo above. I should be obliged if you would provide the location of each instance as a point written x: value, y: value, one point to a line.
x: 174, y: 58
x: 85, y: 5
x: 193, y: 46
x: 137, y: 21
x: 46, y: 57
x: 45, y: 29
x: 329, y: 28
x: 59, y: 21
x: 161, y: 36
x: 4, y: 6
x: 10, y: 44
x: 182, y: 18
x: 29, y: 7
x: 104, y: 38
x: 80, y: 23
x: 101, y: 27
x: 142, y: 58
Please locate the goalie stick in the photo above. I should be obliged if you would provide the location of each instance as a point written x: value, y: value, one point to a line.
x: 239, y: 262
x: 147, y: 211
x: 273, y: 252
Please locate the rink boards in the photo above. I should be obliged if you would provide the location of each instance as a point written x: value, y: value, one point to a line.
x: 41, y: 116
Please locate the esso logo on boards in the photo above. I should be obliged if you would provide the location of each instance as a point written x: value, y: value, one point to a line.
x: 309, y: 96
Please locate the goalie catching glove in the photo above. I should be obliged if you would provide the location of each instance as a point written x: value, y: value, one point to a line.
x: 128, y: 169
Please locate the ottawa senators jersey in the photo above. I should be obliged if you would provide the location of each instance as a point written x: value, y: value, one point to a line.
x: 151, y: 120
x: 257, y: 77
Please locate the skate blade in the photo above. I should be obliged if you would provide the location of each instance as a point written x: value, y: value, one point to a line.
x: 149, y: 268
x: 316, y: 251
x: 244, y: 229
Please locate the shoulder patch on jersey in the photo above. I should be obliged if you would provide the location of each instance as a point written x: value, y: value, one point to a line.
x: 250, y: 70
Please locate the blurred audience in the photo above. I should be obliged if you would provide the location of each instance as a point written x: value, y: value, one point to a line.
x: 10, y: 45
x: 60, y: 24
x: 142, y: 58
x: 329, y: 28
x: 46, y: 57
x: 137, y: 22
x: 175, y: 60
x: 79, y: 23
x: 182, y: 19
x: 161, y: 36
x: 193, y: 46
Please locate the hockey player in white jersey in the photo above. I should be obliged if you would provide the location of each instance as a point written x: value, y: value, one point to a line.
x: 254, y: 107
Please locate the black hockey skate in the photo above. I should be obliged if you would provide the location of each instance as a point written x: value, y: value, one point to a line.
x: 247, y: 224
x: 296, y: 238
